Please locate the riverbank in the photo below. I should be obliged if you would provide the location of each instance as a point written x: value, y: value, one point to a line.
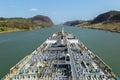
x: 7, y: 30
x: 107, y: 27
x: 11, y: 31
x: 20, y: 24
x: 109, y: 21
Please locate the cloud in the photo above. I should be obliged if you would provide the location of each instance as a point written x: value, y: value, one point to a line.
x: 34, y: 9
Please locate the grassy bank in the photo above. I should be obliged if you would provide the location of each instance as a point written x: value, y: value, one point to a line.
x: 8, y: 29
x: 109, y: 27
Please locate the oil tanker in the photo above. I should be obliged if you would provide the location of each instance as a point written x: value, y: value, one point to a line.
x: 61, y: 57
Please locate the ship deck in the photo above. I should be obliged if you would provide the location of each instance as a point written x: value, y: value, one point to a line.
x: 61, y: 57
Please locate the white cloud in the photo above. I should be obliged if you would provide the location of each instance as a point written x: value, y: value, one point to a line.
x: 34, y: 9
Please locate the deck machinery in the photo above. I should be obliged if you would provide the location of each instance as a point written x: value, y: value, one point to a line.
x: 61, y: 57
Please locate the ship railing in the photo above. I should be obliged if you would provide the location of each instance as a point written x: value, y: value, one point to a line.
x: 94, y: 55
x: 26, y: 57
x: 103, y: 62
x: 89, y: 51
x: 19, y: 63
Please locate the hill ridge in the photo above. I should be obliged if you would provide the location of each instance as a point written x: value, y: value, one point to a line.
x: 20, y: 23
x: 109, y: 21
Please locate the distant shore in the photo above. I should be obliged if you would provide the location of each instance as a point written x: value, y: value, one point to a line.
x: 103, y: 29
x: 106, y: 27
x: 18, y: 30
x: 12, y: 31
x: 106, y: 30
x: 8, y: 30
x: 109, y: 21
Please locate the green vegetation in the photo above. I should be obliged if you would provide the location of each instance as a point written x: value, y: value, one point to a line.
x: 18, y: 24
x: 109, y: 27
x: 3, y: 29
x: 8, y: 29
x: 109, y: 21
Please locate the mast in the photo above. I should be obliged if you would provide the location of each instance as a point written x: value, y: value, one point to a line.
x: 63, y: 30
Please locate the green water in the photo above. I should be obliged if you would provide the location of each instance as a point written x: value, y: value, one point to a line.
x: 15, y: 46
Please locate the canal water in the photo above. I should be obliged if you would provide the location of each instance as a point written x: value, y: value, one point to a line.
x: 16, y: 45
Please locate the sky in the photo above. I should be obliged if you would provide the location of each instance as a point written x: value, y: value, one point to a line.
x: 58, y: 10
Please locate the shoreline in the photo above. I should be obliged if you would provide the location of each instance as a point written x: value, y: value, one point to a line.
x: 20, y: 30
x: 105, y: 30
x: 100, y: 29
x: 2, y: 32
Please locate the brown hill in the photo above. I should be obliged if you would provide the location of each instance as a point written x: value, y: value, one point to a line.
x: 107, y: 21
x: 14, y: 24
x: 107, y: 17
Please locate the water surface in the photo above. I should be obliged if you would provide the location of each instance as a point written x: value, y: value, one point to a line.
x: 16, y: 45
